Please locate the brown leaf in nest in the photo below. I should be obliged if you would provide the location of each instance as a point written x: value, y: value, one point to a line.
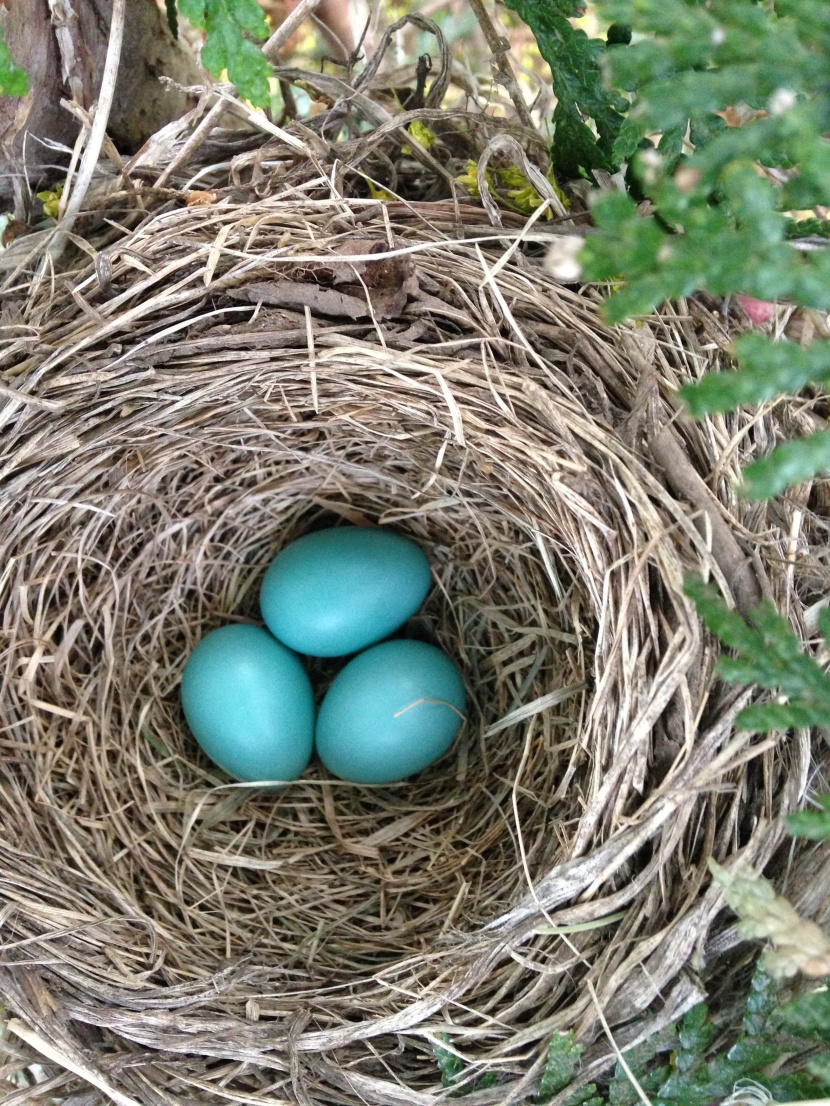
x: 341, y: 287
x: 290, y: 293
x: 376, y: 272
x: 13, y: 229
x: 199, y: 199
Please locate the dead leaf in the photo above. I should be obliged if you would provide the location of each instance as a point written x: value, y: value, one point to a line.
x: 13, y: 229
x: 377, y: 272
x: 341, y: 287
x: 290, y: 293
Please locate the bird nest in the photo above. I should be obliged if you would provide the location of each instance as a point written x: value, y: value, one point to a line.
x: 231, y: 377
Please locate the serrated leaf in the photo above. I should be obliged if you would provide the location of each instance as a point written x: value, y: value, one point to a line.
x: 226, y: 48
x: 726, y: 624
x: 764, y: 717
x: 581, y: 93
x: 761, y: 1003
x: 585, y: 1096
x: 788, y: 464
x: 768, y: 654
x: 560, y: 1065
x: 630, y: 138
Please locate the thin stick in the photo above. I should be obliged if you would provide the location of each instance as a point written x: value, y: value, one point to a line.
x: 196, y: 140
x: 620, y: 1058
x: 97, y: 132
x: 499, y: 47
x: 287, y: 28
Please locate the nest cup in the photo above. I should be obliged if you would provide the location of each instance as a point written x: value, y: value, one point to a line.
x: 172, y: 934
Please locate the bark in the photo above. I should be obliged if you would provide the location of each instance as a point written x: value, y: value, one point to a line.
x: 61, y: 44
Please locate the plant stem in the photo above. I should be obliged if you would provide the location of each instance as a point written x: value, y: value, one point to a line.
x: 499, y: 47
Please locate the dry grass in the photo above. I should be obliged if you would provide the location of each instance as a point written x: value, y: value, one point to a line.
x: 171, y: 937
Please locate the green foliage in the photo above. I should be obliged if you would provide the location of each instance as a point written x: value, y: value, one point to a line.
x: 640, y: 1060
x: 770, y: 655
x: 695, y: 1077
x: 676, y: 1067
x: 226, y: 48
x: 562, y: 1059
x: 698, y: 1080
x: 450, y: 1065
x: 581, y: 95
x: 786, y: 368
x: 769, y: 369
x: 714, y: 222
x: 586, y: 1096
x: 813, y: 824
x: 788, y: 464
x: 13, y: 81
x: 808, y: 1016
x: 452, y: 1070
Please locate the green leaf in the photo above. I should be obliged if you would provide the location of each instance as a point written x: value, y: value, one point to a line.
x: 450, y: 1065
x: 621, y: 1091
x: 761, y: 1003
x: 575, y: 61
x: 726, y: 624
x: 764, y: 717
x: 812, y: 824
x: 808, y: 1016
x: 226, y: 48
x: 770, y: 655
x: 768, y: 369
x: 13, y: 81
x: 563, y: 1057
x: 585, y: 1096
x: 788, y: 464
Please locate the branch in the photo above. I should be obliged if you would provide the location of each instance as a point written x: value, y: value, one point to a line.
x: 287, y: 28
x: 97, y: 133
x: 499, y: 47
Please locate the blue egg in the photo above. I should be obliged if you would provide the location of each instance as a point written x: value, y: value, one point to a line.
x: 336, y: 591
x: 390, y: 712
x: 249, y: 704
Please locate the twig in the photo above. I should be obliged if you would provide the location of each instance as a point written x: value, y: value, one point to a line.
x: 287, y: 28
x: 196, y: 140
x: 499, y: 46
x: 89, y: 161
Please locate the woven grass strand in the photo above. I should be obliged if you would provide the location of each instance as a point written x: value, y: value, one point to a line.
x: 194, y: 940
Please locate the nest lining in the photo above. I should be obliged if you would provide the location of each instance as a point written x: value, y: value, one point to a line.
x: 166, y: 438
